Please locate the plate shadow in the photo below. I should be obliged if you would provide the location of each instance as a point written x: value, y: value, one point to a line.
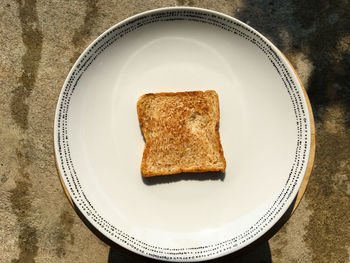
x: 261, y: 254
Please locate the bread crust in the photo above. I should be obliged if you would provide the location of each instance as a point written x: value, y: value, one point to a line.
x: 145, y: 171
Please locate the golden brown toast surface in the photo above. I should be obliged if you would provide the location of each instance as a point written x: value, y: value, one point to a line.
x: 181, y: 133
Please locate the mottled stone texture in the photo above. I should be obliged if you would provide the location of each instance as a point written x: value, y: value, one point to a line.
x: 39, y: 42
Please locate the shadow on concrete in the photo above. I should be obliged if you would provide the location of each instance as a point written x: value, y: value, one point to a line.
x: 318, y: 29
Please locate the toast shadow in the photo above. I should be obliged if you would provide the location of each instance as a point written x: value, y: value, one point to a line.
x: 173, y: 178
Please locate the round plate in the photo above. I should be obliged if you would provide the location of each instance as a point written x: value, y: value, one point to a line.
x: 265, y: 131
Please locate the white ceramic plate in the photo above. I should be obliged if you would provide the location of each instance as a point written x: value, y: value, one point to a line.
x: 264, y: 127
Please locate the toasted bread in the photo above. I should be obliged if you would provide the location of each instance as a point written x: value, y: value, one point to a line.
x: 181, y: 133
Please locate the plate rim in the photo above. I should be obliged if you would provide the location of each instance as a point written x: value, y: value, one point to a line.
x: 310, y: 154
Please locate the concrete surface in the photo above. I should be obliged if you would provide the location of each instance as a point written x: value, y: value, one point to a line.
x: 40, y: 40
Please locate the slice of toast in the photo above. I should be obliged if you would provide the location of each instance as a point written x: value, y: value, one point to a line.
x: 181, y: 133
